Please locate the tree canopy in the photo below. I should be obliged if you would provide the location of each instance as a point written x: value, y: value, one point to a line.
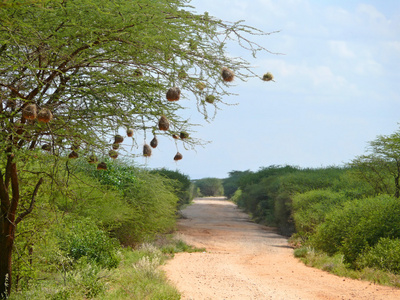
x: 75, y: 75
x: 381, y: 167
x: 100, y: 66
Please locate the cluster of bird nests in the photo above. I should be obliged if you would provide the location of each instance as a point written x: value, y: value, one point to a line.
x: 173, y: 94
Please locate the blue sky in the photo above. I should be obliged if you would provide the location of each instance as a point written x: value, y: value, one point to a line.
x: 336, y: 87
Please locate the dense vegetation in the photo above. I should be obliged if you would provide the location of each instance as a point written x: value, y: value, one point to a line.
x: 351, y: 212
x: 85, y: 241
x: 209, y: 186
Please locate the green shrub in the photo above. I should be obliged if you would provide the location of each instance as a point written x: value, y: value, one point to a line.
x: 181, y: 184
x: 358, y: 225
x: 210, y: 186
x: 310, y: 208
x: 152, y: 209
x: 236, y: 198
x: 385, y: 255
x: 82, y: 238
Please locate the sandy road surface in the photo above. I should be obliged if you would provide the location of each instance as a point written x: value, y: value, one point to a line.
x: 249, y: 261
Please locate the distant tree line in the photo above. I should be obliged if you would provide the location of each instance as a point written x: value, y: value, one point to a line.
x: 352, y: 210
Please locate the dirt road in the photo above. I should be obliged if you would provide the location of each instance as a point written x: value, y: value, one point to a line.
x: 244, y: 260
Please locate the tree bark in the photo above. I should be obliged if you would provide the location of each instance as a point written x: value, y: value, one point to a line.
x: 9, y: 221
x: 6, y: 246
x: 7, y: 233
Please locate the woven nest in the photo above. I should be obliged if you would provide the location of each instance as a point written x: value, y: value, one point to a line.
x: 178, y: 156
x: 113, y: 154
x: 146, y: 150
x: 182, y: 74
x: 129, y: 132
x: 115, y: 146
x: 118, y: 139
x: 44, y: 115
x: 201, y: 85
x: 268, y: 77
x: 19, y: 127
x: 227, y: 75
x: 92, y: 159
x: 102, y: 166
x: 154, y: 143
x: 163, y: 123
x: 138, y: 73
x: 30, y: 112
x: 184, y: 135
x: 46, y: 147
x: 175, y: 136
x: 173, y: 94
x: 73, y: 155
x: 210, y: 99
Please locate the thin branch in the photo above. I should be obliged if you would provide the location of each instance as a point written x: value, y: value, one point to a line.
x: 29, y: 210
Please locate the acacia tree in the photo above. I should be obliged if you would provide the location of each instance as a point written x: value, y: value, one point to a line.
x: 75, y: 73
x: 381, y: 167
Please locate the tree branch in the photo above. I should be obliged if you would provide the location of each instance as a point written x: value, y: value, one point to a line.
x: 60, y: 70
x: 8, y: 170
x: 29, y: 210
x: 5, y: 199
x: 14, y: 192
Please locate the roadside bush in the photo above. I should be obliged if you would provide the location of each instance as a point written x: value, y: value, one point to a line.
x: 357, y: 226
x: 152, y: 209
x: 82, y: 238
x: 231, y: 184
x: 385, y: 255
x: 181, y: 184
x: 237, y: 197
x: 144, y: 203
x: 210, y: 187
x: 310, y: 208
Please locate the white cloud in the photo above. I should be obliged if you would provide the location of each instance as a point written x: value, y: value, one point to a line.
x: 371, y: 12
x: 341, y: 49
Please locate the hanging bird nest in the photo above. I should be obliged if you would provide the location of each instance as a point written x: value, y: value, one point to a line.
x: 113, y: 154
x: 182, y: 74
x: 19, y: 128
x: 154, y: 143
x: 210, y: 99
x: 46, y: 147
x: 115, y: 146
x: 129, y: 132
x: 268, y: 77
x: 44, y: 115
x: 184, y: 135
x: 30, y: 112
x: 102, y: 166
x: 92, y: 159
x: 201, y: 85
x: 138, y: 73
x: 178, y: 156
x: 146, y: 150
x: 227, y: 74
x: 173, y: 94
x: 175, y: 136
x: 73, y: 155
x: 163, y: 123
x: 118, y: 139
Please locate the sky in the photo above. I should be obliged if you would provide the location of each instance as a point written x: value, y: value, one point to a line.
x: 337, y: 87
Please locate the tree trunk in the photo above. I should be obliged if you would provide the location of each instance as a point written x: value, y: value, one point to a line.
x: 7, y: 223
x: 6, y: 246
